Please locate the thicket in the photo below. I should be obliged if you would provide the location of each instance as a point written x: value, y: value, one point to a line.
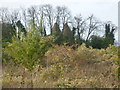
x: 64, y: 67
x: 27, y: 50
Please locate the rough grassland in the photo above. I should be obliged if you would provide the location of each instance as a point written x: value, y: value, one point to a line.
x: 63, y: 67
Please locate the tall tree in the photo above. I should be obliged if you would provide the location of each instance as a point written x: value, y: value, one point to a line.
x: 58, y: 14
x: 80, y: 26
x: 62, y: 15
x: 24, y: 17
x: 65, y: 15
x: 32, y: 15
x: 3, y: 15
x: 48, y: 13
x: 109, y: 33
x: 93, y: 24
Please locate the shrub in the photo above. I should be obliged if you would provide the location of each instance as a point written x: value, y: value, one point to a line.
x: 26, y: 52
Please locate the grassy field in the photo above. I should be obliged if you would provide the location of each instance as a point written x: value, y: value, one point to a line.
x: 63, y: 67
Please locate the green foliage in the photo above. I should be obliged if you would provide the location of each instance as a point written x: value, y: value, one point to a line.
x: 79, y: 40
x: 107, y: 41
x: 97, y: 42
x: 109, y: 33
x: 27, y: 51
x: 100, y: 42
x: 58, y: 38
x: 7, y: 33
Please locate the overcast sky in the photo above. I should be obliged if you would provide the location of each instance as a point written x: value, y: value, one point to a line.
x: 105, y: 10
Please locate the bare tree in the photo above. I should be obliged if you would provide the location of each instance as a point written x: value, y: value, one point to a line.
x: 24, y: 16
x: 10, y: 17
x: 41, y: 21
x: 93, y: 25
x: 65, y: 15
x: 32, y: 15
x: 15, y: 16
x: 58, y: 14
x: 62, y: 15
x: 4, y: 15
x: 40, y: 16
x: 49, y: 16
x: 80, y: 26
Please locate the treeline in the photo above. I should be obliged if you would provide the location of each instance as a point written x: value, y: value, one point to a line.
x: 58, y: 22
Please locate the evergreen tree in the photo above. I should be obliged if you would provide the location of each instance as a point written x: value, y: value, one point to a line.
x: 109, y: 33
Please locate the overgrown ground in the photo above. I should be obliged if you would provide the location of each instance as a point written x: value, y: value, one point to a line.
x: 63, y: 67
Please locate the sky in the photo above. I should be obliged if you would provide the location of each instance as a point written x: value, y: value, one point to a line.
x: 104, y: 10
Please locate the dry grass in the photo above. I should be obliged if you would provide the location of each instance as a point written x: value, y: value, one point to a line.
x: 66, y: 68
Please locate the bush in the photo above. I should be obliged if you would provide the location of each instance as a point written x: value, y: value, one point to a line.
x: 27, y: 51
x: 99, y: 42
